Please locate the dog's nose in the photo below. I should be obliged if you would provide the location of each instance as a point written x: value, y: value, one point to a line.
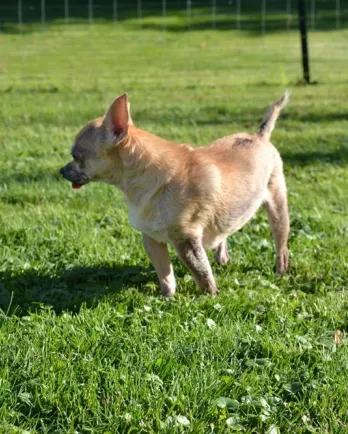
x: 61, y: 171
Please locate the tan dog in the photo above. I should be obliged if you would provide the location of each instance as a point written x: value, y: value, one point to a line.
x: 191, y: 198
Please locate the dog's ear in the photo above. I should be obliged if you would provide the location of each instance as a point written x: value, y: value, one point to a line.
x: 117, y: 118
x: 130, y: 121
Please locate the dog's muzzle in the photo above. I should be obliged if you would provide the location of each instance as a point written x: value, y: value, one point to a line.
x: 70, y: 173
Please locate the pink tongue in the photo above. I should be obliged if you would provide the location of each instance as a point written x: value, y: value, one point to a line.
x: 76, y: 186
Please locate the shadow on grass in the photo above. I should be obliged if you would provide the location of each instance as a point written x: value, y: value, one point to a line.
x: 220, y: 114
x: 28, y: 290
x: 336, y: 157
x: 250, y: 24
x: 217, y: 113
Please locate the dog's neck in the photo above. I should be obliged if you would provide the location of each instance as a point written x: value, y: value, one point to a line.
x: 148, y: 163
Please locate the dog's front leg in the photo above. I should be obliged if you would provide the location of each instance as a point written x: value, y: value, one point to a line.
x: 159, y: 255
x: 193, y: 255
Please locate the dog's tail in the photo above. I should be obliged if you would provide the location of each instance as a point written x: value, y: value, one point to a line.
x: 268, y: 124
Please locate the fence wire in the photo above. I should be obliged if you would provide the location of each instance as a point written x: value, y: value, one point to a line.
x: 238, y: 14
x: 257, y: 18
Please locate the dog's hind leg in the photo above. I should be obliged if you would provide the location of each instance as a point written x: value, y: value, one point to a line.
x: 159, y: 255
x: 221, y: 253
x: 278, y: 216
x: 193, y: 255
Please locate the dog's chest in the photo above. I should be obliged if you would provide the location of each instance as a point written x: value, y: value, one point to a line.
x: 147, y: 220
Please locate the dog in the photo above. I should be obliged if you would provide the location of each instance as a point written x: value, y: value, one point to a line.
x: 192, y: 198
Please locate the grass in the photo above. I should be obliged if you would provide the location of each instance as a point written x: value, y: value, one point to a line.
x: 87, y: 344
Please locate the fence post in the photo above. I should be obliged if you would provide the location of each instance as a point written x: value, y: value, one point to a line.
x: 66, y: 11
x: 303, y: 31
x: 188, y: 14
x: 213, y: 14
x: 90, y: 11
x: 312, y: 14
x: 238, y: 14
x: 140, y: 14
x: 288, y: 14
x: 263, y: 18
x: 43, y: 15
x: 338, y: 14
x: 164, y: 15
x: 114, y: 11
x: 20, y: 15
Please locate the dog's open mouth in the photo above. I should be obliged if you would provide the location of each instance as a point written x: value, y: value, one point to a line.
x: 76, y: 186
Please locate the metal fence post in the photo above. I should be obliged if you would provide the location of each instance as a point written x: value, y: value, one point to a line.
x: 188, y: 14
x: 313, y: 14
x: 66, y: 11
x: 20, y: 15
x: 90, y: 11
x: 304, y: 44
x: 114, y: 11
x: 43, y: 15
x: 140, y: 13
x: 213, y: 14
x: 238, y: 14
x: 338, y: 14
x: 288, y: 14
x: 263, y: 18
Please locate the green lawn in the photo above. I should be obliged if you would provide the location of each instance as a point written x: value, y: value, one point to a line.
x: 87, y: 345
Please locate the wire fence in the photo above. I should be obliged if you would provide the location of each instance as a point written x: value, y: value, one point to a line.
x: 257, y: 15
x: 236, y: 18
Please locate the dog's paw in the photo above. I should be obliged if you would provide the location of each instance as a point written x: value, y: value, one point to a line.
x: 222, y: 260
x: 167, y: 291
x: 212, y: 291
x: 215, y: 293
x: 283, y: 262
x: 221, y: 254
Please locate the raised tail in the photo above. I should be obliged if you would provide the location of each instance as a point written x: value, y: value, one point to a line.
x: 268, y: 124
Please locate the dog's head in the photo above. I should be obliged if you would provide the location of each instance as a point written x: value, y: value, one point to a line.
x: 92, y: 152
